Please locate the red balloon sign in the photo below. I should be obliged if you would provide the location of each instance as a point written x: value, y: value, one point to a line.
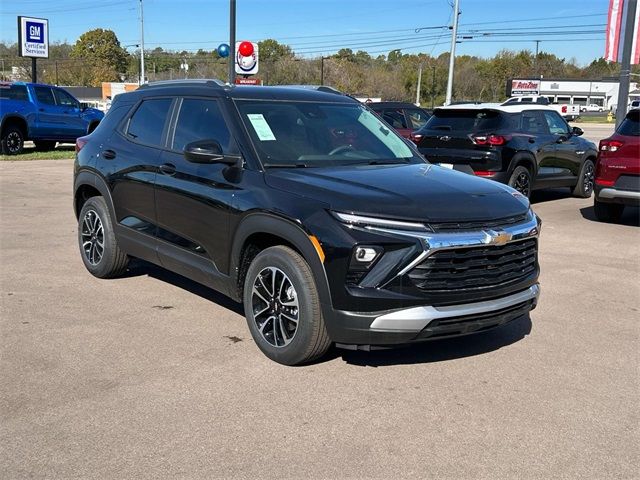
x: 246, y: 49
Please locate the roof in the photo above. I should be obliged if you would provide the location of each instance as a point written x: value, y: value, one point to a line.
x: 373, y: 105
x: 215, y: 88
x: 515, y: 108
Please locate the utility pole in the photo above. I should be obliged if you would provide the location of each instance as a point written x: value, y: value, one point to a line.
x: 433, y: 87
x: 625, y: 67
x: 419, y: 82
x: 232, y: 42
x: 322, y: 70
x: 56, y: 64
x: 536, y: 59
x: 141, y: 81
x: 452, y: 55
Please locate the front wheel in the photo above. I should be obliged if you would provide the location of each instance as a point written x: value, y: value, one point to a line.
x: 282, y: 307
x: 521, y: 180
x: 608, y: 212
x: 584, y: 187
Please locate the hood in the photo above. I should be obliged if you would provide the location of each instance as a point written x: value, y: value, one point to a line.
x: 417, y: 192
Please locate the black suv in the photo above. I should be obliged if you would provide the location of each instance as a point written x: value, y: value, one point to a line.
x: 528, y: 147
x: 306, y: 207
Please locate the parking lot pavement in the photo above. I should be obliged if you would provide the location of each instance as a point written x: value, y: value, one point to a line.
x: 595, y: 131
x: 153, y: 376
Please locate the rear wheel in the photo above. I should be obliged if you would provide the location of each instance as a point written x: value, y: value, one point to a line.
x: 521, y: 180
x: 98, y: 245
x: 608, y: 212
x: 584, y: 187
x: 282, y: 307
x: 44, y: 145
x: 12, y: 140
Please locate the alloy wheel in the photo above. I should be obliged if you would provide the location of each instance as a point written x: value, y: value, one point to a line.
x: 275, y: 306
x: 13, y: 142
x: 523, y: 184
x: 587, y: 179
x: 92, y: 233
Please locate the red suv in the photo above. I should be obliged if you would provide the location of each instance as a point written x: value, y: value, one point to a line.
x: 405, y: 118
x: 618, y: 170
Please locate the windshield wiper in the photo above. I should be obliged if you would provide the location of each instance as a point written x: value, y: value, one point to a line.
x: 285, y: 165
x: 388, y: 162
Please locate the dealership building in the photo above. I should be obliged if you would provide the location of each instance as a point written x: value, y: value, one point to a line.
x: 603, y: 92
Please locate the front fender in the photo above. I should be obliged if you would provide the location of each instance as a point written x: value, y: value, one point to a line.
x: 261, y: 222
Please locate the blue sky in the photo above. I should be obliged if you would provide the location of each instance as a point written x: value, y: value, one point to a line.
x: 315, y: 27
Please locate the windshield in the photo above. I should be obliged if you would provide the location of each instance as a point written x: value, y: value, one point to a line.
x: 464, y: 120
x: 311, y: 134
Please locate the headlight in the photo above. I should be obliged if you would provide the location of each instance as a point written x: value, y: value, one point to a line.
x: 373, y: 222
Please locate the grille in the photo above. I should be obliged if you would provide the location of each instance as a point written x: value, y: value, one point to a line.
x: 477, y: 267
x: 480, y: 225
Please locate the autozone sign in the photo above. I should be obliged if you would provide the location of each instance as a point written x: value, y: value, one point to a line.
x: 525, y: 87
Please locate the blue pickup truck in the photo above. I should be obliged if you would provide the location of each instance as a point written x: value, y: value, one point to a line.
x: 42, y: 113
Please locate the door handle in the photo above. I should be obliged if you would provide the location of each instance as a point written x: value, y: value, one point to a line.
x: 108, y: 154
x: 41, y: 109
x: 168, y: 168
x: 532, y: 140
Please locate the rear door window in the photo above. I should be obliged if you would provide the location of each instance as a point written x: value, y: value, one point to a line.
x: 147, y: 123
x: 418, y: 118
x: 394, y: 117
x: 45, y: 95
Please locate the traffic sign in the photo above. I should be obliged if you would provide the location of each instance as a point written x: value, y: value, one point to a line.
x: 33, y: 37
x: 246, y: 58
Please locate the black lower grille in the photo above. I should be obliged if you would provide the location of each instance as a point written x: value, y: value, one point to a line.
x: 459, y: 269
x: 448, y: 327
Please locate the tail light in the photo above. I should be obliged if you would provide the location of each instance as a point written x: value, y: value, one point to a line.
x: 415, y: 138
x: 564, y: 109
x: 483, y: 173
x: 81, y: 142
x: 494, y: 140
x: 610, y: 145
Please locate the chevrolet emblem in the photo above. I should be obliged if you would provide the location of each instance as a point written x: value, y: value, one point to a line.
x: 498, y: 237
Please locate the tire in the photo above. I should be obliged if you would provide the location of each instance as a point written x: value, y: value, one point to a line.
x: 12, y: 140
x: 584, y: 187
x: 283, y: 271
x: 607, y: 212
x: 521, y: 179
x: 44, y: 145
x: 94, y: 224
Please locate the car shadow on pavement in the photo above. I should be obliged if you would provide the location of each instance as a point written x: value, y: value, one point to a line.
x: 630, y: 216
x: 140, y: 267
x: 440, y: 350
x: 548, y: 195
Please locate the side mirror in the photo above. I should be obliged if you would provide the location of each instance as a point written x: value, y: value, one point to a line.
x: 208, y: 151
x: 577, y: 131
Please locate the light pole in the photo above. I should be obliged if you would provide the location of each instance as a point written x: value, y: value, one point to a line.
x: 232, y: 42
x: 452, y: 55
x: 419, y: 82
x: 141, y: 80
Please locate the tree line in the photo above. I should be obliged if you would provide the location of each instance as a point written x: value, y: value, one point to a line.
x: 97, y: 56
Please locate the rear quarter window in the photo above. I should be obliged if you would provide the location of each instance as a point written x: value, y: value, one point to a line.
x: 630, y: 126
x: 147, y: 123
x: 14, y: 92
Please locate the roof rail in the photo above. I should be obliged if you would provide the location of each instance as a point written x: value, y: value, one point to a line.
x: 209, y: 82
x: 319, y: 88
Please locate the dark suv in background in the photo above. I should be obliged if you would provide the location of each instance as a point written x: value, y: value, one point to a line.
x: 528, y: 147
x: 404, y: 117
x: 306, y: 207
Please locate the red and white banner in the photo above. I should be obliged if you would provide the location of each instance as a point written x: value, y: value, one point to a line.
x: 618, y: 11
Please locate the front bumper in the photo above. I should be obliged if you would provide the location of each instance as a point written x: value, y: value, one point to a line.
x: 428, y: 322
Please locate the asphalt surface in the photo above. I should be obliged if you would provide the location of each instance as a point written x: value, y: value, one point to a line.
x: 153, y: 376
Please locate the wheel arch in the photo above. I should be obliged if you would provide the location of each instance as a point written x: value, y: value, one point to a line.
x: 17, y: 120
x: 525, y: 159
x: 262, y: 230
x: 88, y: 184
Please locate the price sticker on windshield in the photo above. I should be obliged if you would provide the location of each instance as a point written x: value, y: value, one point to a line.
x: 261, y: 127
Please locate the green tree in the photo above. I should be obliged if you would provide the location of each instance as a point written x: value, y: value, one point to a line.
x: 271, y: 51
x: 103, y: 56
